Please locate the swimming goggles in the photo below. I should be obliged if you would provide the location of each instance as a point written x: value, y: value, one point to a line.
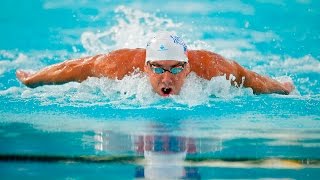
x: 173, y: 70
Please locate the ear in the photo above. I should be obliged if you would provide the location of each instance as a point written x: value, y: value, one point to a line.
x: 145, y: 67
x: 187, y: 68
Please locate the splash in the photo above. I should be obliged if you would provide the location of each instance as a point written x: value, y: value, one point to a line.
x: 11, y: 60
x: 131, y: 91
x: 135, y: 91
x: 198, y: 91
x: 30, y: 61
x: 142, y: 26
x: 292, y: 65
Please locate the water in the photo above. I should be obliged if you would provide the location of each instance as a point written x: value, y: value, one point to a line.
x: 103, y: 128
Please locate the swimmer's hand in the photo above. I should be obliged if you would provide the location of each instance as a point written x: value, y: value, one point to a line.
x: 288, y: 87
x: 23, y: 77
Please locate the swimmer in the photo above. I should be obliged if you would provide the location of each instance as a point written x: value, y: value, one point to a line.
x: 165, y: 60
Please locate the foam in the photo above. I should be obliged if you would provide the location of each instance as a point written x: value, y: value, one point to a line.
x: 135, y: 91
x: 198, y: 91
x: 131, y: 92
x: 241, y: 47
x: 11, y: 60
x: 32, y: 60
x: 142, y: 27
x: 304, y: 64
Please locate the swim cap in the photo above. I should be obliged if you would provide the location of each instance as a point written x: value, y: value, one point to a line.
x: 166, y: 46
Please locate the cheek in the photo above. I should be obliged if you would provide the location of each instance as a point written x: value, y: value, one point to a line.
x: 154, y: 80
x: 180, y: 80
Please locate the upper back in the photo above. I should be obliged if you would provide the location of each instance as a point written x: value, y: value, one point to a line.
x: 122, y: 62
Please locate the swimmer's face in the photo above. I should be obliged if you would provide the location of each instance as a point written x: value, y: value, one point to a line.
x: 164, y: 82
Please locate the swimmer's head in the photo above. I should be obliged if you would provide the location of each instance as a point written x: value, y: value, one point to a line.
x: 166, y: 46
x: 166, y: 63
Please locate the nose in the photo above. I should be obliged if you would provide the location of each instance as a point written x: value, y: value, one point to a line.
x: 167, y: 78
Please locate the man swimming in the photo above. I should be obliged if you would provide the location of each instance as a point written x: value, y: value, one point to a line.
x: 166, y: 61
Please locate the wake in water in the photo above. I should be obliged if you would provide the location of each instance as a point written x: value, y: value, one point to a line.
x: 132, y: 91
x: 135, y: 91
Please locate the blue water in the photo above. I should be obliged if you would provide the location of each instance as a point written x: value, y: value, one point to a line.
x: 103, y: 128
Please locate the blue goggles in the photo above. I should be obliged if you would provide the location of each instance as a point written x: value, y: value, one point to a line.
x: 173, y: 70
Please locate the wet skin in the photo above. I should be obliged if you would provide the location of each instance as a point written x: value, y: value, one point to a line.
x: 167, y: 83
x: 123, y: 62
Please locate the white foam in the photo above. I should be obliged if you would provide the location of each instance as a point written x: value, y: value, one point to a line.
x: 31, y: 61
x: 290, y: 65
x: 198, y: 91
x: 11, y: 60
x: 131, y: 92
x: 135, y: 90
x: 142, y: 27
x: 12, y: 91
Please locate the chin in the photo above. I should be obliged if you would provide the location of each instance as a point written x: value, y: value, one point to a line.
x: 164, y: 95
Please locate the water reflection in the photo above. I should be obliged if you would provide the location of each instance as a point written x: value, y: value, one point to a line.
x: 159, y: 153
x: 163, y: 154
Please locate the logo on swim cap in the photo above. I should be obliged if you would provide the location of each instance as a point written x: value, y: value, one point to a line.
x: 162, y: 48
x: 166, y: 46
x: 178, y: 40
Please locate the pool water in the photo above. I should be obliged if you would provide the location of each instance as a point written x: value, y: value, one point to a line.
x: 120, y: 129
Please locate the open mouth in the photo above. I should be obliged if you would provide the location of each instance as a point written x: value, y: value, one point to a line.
x: 166, y: 91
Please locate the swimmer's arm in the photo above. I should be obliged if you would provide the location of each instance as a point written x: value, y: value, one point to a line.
x: 261, y: 84
x: 71, y: 70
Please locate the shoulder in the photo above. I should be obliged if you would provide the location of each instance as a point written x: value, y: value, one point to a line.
x: 196, y: 56
x: 127, y: 52
x: 205, y: 63
x: 119, y: 63
x: 122, y: 56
